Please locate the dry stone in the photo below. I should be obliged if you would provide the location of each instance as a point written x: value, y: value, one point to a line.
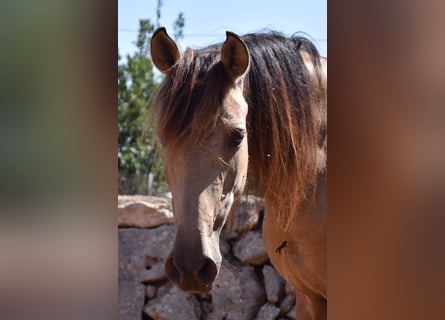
x: 237, y: 294
x: 173, y: 305
x: 268, y: 312
x: 154, y: 274
x: 292, y: 313
x: 150, y: 291
x: 273, y: 283
x: 244, y: 216
x: 131, y: 298
x: 286, y: 304
x: 289, y: 289
x: 250, y: 249
x: 144, y: 211
x: 135, y: 244
x: 224, y: 246
x: 206, y: 308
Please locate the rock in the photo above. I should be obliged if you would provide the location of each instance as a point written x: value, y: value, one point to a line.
x: 150, y: 291
x: 267, y: 312
x: 154, y: 274
x: 244, y: 216
x: 224, y: 246
x: 206, y: 308
x: 289, y: 289
x: 131, y: 298
x: 292, y: 313
x: 250, y: 249
x: 173, y: 305
x: 237, y: 294
x: 144, y: 211
x: 134, y: 245
x: 273, y: 283
x: 286, y: 304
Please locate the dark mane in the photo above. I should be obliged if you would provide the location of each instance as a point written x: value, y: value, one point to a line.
x: 284, y: 130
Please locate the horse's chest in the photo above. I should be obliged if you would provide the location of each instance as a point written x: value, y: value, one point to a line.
x: 298, y: 255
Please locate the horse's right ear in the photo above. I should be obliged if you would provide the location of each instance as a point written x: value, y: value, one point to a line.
x: 164, y: 52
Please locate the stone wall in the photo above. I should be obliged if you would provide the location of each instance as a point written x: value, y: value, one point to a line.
x: 248, y: 287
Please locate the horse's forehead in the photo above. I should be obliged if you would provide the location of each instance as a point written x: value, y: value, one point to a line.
x: 235, y: 106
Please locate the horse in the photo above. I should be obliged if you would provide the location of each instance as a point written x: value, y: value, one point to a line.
x: 253, y: 105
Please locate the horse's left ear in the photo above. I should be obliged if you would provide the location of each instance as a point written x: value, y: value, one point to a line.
x: 235, y: 55
x: 164, y: 52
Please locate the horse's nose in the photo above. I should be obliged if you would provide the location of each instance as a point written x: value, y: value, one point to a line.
x: 194, y: 276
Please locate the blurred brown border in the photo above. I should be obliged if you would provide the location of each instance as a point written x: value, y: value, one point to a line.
x: 58, y: 211
x: 386, y: 160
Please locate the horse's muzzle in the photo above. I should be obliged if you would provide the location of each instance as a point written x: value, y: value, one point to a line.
x: 192, y: 276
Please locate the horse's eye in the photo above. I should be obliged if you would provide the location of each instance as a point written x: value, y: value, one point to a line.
x: 236, y: 137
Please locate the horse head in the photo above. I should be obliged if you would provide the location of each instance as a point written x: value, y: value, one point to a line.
x: 201, y: 125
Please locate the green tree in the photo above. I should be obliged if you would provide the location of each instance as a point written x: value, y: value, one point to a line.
x: 137, y: 155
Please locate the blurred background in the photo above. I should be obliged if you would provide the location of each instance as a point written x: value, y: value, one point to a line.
x: 58, y: 116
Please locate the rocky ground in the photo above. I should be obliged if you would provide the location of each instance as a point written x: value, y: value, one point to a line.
x: 248, y: 287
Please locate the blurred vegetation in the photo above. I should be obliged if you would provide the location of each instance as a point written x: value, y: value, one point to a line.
x: 137, y: 155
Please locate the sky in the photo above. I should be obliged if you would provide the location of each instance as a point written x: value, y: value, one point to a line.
x: 207, y: 21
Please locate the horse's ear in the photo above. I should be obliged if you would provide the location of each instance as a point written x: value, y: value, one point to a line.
x: 164, y: 51
x: 235, y: 55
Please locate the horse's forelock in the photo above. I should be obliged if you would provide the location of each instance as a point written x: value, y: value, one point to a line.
x: 188, y: 101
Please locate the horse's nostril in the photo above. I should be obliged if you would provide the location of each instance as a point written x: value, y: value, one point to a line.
x: 193, y: 277
x: 172, y: 271
x: 207, y: 272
